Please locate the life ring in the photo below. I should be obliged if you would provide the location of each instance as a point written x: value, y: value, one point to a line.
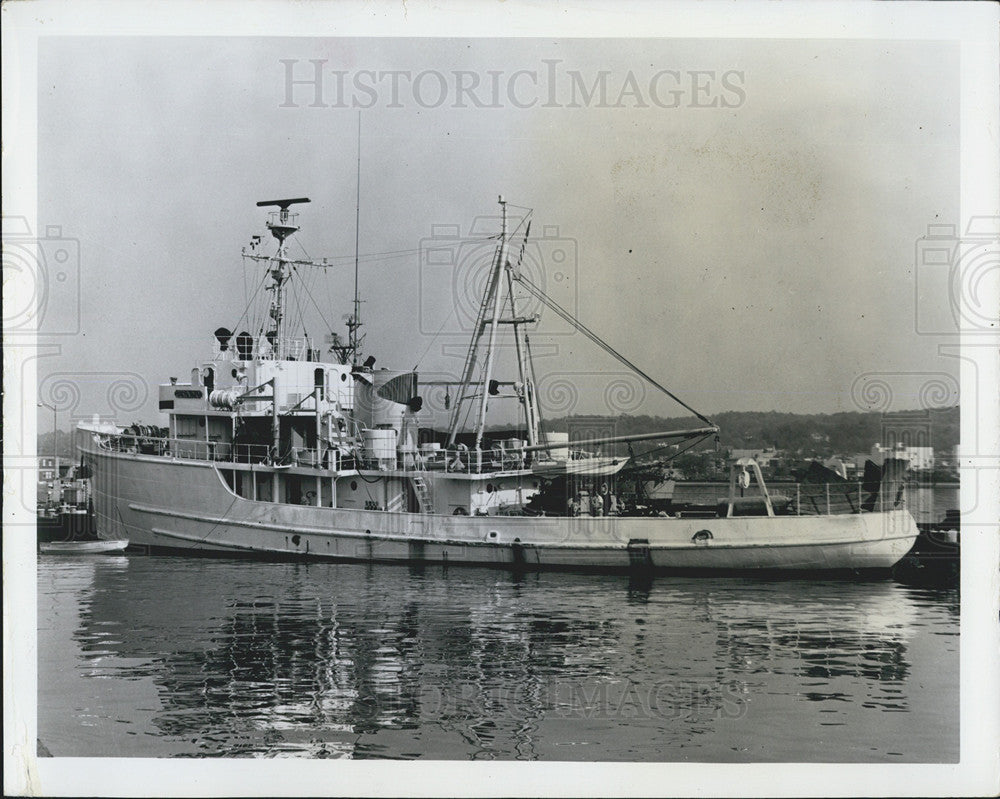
x: 744, y: 479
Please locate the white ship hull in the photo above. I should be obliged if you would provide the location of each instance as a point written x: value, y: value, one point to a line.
x: 164, y: 502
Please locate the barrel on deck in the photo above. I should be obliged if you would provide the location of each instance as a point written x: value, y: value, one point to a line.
x: 380, y: 445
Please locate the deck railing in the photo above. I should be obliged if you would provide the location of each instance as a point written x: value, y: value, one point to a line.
x: 315, y: 458
x: 464, y: 462
x: 187, y: 448
x: 801, y: 499
x: 496, y: 459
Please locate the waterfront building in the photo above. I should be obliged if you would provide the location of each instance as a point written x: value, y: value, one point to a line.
x: 919, y: 458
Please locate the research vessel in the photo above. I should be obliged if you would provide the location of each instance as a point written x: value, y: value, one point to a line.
x: 280, y: 445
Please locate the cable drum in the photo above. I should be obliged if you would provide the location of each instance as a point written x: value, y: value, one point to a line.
x: 223, y: 398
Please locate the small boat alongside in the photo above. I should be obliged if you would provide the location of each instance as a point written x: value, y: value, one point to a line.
x: 282, y: 446
x: 98, y: 547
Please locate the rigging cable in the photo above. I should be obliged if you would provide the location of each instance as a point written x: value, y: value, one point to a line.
x: 297, y: 318
x: 568, y: 317
x: 434, y: 338
x: 679, y: 452
x: 318, y: 309
x: 244, y: 314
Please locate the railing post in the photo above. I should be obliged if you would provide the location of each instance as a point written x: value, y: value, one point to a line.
x: 827, y: 499
x: 798, y: 501
x: 859, y: 497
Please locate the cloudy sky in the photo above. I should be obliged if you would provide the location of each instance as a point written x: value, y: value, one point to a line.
x: 738, y: 217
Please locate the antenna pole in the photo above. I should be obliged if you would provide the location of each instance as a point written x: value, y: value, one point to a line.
x: 357, y: 235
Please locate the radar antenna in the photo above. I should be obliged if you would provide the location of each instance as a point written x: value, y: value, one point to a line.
x: 281, y: 223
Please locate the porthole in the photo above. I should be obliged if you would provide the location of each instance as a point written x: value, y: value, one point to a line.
x: 489, y: 488
x: 343, y: 377
x: 354, y: 485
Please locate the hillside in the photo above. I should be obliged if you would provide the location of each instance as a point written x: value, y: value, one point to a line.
x: 806, y: 434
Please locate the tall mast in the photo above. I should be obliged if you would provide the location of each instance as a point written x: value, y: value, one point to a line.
x: 535, y: 423
x: 527, y: 390
x: 525, y: 374
x: 356, y: 321
x: 494, y: 323
x: 282, y: 224
x: 465, y: 384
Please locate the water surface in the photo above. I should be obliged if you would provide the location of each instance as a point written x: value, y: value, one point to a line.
x: 173, y: 656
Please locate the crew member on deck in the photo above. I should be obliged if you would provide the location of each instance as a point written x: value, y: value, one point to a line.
x: 596, y: 504
x: 609, y: 505
x: 457, y: 465
x: 576, y: 505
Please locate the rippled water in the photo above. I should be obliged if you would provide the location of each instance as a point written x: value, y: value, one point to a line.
x: 172, y: 656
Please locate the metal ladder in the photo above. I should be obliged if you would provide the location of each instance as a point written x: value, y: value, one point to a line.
x: 423, y: 493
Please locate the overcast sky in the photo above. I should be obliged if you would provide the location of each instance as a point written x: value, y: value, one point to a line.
x: 738, y: 217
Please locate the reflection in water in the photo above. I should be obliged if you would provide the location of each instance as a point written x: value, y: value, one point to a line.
x: 237, y: 658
